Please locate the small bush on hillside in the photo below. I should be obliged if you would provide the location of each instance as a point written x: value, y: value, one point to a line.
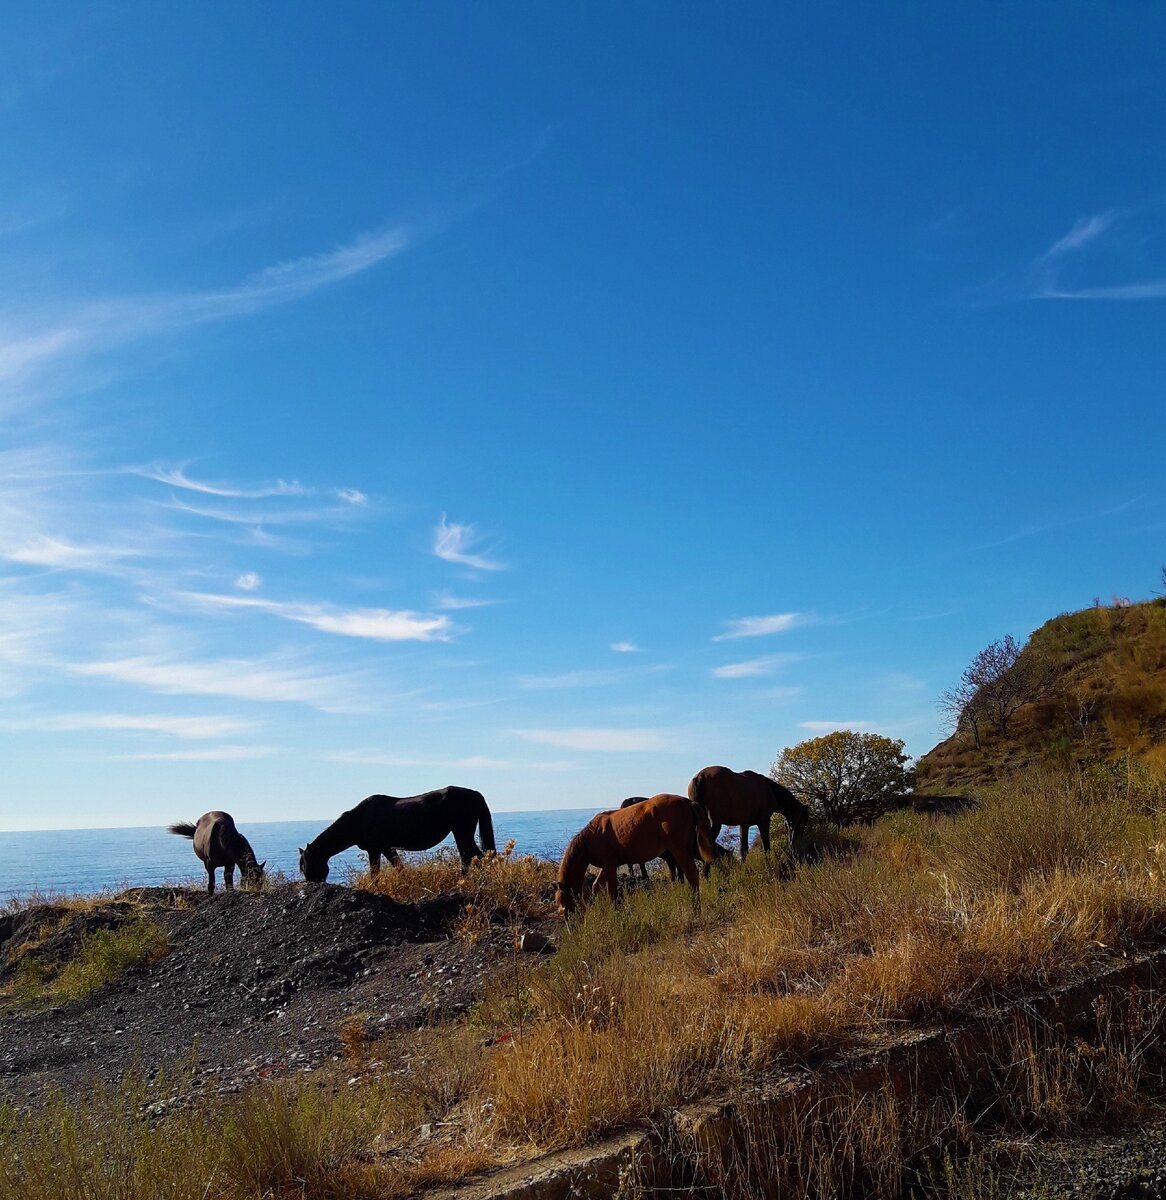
x: 845, y: 776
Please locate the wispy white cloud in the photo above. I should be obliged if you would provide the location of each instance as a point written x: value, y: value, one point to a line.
x: 744, y: 627
x: 177, y: 477
x: 1153, y: 289
x: 209, y: 754
x: 59, y: 553
x: 243, y: 679
x: 1096, y: 240
x: 194, y: 728
x: 831, y: 726
x: 451, y: 603
x: 753, y: 668
x: 1084, y: 231
x: 597, y: 739
x: 574, y: 679
x: 473, y: 762
x: 103, y: 325
x: 379, y: 624
x: 458, y: 544
x: 625, y: 647
x: 249, y: 581
x: 245, y: 516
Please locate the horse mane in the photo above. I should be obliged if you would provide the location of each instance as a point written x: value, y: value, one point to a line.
x: 331, y: 839
x: 574, y: 864
x: 790, y: 807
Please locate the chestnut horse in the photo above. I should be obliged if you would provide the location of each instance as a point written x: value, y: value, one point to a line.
x: 719, y: 850
x: 625, y: 836
x: 745, y: 798
x: 385, y: 824
x: 219, y: 844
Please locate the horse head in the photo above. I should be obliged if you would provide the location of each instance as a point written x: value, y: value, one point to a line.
x: 254, y: 874
x: 311, y: 867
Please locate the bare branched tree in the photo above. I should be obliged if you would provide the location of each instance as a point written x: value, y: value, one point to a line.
x: 960, y: 710
x: 998, y: 681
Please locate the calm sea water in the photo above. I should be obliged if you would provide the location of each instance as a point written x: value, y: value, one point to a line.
x: 80, y: 861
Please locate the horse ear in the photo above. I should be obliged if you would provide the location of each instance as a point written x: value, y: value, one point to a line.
x: 263, y: 865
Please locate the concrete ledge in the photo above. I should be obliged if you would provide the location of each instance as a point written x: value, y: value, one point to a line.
x: 920, y: 1064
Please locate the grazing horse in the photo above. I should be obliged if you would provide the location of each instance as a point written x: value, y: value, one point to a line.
x: 745, y: 798
x: 673, y: 869
x: 637, y: 834
x: 382, y: 825
x: 668, y: 859
x: 219, y: 844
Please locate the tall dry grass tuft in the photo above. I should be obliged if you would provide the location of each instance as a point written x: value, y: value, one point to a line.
x: 303, y: 1141
x: 1042, y: 822
x: 102, y: 1148
x: 502, y: 884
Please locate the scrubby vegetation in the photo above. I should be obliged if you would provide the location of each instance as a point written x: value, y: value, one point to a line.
x: 1087, y: 687
x: 656, y: 1002
x: 62, y: 960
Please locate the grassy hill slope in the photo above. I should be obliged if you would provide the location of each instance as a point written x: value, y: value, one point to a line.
x: 1105, y: 701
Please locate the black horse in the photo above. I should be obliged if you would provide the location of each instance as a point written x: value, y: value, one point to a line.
x: 382, y: 825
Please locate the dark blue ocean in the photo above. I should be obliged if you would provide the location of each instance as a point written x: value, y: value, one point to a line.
x: 70, y: 862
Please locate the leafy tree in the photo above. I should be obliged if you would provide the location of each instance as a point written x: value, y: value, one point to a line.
x: 846, y: 776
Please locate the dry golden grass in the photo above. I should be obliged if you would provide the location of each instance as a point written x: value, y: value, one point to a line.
x: 502, y: 884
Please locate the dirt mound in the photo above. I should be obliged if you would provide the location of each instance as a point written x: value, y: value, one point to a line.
x: 273, y: 944
x: 251, y: 984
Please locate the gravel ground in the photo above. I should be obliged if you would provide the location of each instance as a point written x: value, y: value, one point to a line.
x: 252, y: 984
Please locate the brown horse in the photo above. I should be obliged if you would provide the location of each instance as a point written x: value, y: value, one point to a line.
x: 219, y: 844
x: 745, y: 798
x: 625, y: 836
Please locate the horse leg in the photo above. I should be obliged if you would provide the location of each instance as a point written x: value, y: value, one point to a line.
x: 466, y: 846
x: 229, y: 876
x: 763, y: 829
x: 716, y: 833
x: 392, y: 857
x: 210, y: 880
x: 643, y: 872
x: 744, y: 841
x: 607, y: 879
x: 374, y: 862
x: 671, y: 863
x: 686, y: 865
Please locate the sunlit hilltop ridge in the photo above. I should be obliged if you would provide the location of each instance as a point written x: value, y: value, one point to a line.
x: 1097, y: 694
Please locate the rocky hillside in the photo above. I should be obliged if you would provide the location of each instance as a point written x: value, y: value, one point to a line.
x: 1099, y: 695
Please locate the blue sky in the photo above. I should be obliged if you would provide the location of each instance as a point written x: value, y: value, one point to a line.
x: 553, y: 399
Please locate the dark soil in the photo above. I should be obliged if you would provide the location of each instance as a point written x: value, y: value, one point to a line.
x: 253, y: 984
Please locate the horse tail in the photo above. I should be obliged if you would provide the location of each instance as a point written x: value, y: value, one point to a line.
x: 182, y: 828
x: 705, y: 843
x: 485, y: 824
x: 696, y: 790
